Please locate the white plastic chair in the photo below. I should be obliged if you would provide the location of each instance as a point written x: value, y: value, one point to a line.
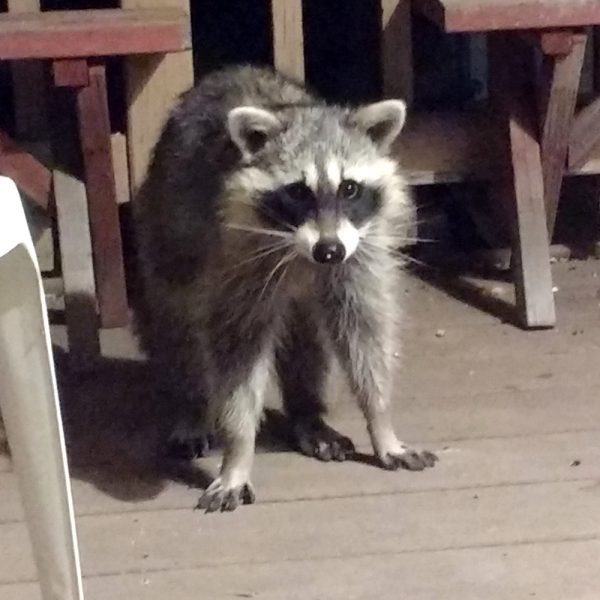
x: 29, y: 406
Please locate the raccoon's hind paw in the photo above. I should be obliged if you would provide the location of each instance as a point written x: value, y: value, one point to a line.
x: 219, y: 497
x: 409, y: 459
x: 314, y: 437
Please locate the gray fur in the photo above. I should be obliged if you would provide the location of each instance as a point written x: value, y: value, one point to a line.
x: 227, y: 295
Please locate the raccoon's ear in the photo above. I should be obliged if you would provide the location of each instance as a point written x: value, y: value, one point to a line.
x: 251, y: 128
x: 381, y: 121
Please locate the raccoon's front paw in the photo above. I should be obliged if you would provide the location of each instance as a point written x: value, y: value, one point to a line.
x: 409, y: 459
x: 314, y: 437
x: 220, y: 497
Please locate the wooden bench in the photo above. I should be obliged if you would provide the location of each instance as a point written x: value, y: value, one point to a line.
x: 76, y: 44
x: 539, y: 139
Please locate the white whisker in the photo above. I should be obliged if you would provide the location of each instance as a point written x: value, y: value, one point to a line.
x: 258, y: 230
x: 285, y: 259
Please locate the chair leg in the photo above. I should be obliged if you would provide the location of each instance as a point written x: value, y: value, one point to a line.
x: 521, y: 186
x: 32, y: 419
x: 94, y: 133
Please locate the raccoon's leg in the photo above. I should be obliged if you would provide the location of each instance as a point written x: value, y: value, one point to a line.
x: 238, y: 420
x: 188, y: 440
x: 302, y: 365
x: 364, y: 339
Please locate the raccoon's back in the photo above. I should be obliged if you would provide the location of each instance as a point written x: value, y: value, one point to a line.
x: 176, y: 212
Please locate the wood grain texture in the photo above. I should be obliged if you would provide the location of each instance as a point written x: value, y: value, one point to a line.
x: 31, y: 176
x: 494, y: 15
x: 288, y: 38
x: 520, y: 185
x: 560, y: 84
x: 153, y: 85
x: 585, y: 134
x: 94, y: 133
x: 118, y: 143
x: 84, y: 33
x: 454, y: 146
x: 77, y: 267
x: 396, y: 49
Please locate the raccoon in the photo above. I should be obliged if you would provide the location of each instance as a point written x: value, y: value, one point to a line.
x: 267, y: 227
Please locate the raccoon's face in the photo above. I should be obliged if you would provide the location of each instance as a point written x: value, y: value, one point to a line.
x: 320, y: 174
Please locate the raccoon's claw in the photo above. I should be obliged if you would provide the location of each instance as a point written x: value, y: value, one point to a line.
x: 409, y: 459
x: 315, y: 438
x: 218, y: 497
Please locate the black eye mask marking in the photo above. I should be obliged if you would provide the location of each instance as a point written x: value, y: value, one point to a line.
x: 291, y: 205
x: 359, y: 203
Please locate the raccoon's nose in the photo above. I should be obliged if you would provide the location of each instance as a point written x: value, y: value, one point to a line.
x: 329, y: 251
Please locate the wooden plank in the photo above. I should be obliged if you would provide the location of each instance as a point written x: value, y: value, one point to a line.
x: 451, y: 147
x: 153, y: 85
x: 565, y: 569
x: 396, y: 49
x: 560, y: 570
x: 85, y: 33
x: 585, y: 135
x: 560, y: 85
x: 283, y: 476
x: 70, y: 72
x: 29, y: 87
x: 386, y: 524
x: 94, y: 132
x: 118, y: 144
x: 288, y: 38
x: 31, y: 176
x: 494, y: 15
x: 77, y: 267
x: 445, y: 147
x: 521, y: 185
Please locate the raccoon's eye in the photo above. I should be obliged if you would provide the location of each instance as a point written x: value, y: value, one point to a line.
x: 349, y: 189
x: 299, y: 191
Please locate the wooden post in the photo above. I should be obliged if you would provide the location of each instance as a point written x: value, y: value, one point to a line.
x: 396, y: 49
x: 29, y: 87
x: 153, y: 84
x: 520, y: 185
x: 288, y: 38
x: 94, y: 133
x: 560, y: 84
x: 78, y: 271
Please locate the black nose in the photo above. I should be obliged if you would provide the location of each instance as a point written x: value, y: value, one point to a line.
x: 329, y: 252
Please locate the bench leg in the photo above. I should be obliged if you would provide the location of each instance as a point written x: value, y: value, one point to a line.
x: 558, y: 94
x: 94, y: 133
x: 521, y: 186
x: 78, y: 272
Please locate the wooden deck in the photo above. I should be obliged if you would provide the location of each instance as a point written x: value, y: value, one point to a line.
x: 512, y: 510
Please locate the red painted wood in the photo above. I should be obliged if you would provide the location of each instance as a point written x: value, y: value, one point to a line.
x: 494, y: 15
x: 70, y: 72
x: 85, y: 33
x: 31, y: 176
x: 94, y: 133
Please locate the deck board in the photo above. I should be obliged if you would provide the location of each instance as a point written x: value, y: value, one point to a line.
x: 505, y: 514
